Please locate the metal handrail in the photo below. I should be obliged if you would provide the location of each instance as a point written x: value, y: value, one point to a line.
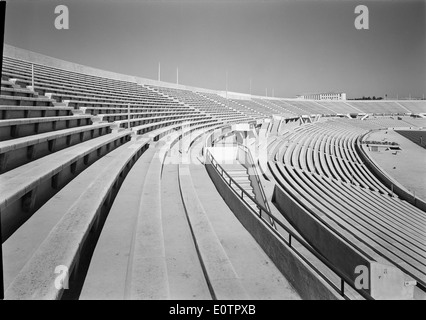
x: 254, y: 167
x: 344, y: 279
x: 256, y: 174
x: 231, y: 180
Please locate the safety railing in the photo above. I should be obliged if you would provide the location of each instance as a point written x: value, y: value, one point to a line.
x: 291, y: 235
x: 252, y: 165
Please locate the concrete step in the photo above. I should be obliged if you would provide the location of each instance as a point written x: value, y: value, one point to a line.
x: 16, y: 128
x: 17, y: 112
x: 239, y: 177
x: 25, y: 189
x: 24, y: 101
x: 20, y: 151
x: 108, y: 270
x: 221, y: 276
x: 147, y: 277
x: 257, y: 274
x: 185, y: 274
x: 56, y: 235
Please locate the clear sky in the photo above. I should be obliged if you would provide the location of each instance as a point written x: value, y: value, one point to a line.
x: 289, y: 46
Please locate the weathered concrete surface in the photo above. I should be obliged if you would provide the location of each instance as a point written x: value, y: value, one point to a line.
x: 107, y: 274
x: 185, y: 274
x: 220, y: 272
x: 148, y: 271
x: 259, y: 276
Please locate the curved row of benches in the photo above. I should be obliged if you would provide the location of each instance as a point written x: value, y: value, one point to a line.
x: 60, y: 173
x: 328, y: 149
x: 76, y: 194
x: 44, y: 249
x: 318, y: 163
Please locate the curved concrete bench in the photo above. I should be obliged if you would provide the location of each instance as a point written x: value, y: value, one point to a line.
x: 16, y: 92
x: 150, y: 103
x: 294, y: 189
x: 16, y: 112
x: 185, y: 274
x: 76, y: 83
x: 107, y: 276
x: 99, y: 92
x: 405, y: 217
x: 160, y: 127
x: 124, y: 109
x: 24, y: 189
x: 24, y: 101
x: 345, y: 217
x: 320, y: 232
x: 47, y: 85
x: 374, y: 230
x: 23, y: 77
x: 118, y: 117
x: 333, y: 158
x: 65, y: 245
x: 132, y: 98
x: 16, y: 128
x: 17, y: 152
x: 148, y: 271
x: 6, y: 84
x: 153, y: 265
x: 338, y: 107
x: 312, y: 154
x: 414, y: 106
x: 222, y: 279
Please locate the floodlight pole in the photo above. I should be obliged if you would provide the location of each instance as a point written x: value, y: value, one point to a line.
x: 159, y: 71
x: 32, y: 76
x: 128, y: 119
x: 226, y: 84
x: 177, y: 75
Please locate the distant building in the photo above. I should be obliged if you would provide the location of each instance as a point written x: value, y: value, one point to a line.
x: 324, y: 96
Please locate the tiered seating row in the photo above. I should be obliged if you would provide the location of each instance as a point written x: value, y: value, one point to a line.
x: 64, y: 228
x: 232, y: 104
x: 377, y: 107
x: 414, y: 106
x: 337, y: 184
x: 203, y: 104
